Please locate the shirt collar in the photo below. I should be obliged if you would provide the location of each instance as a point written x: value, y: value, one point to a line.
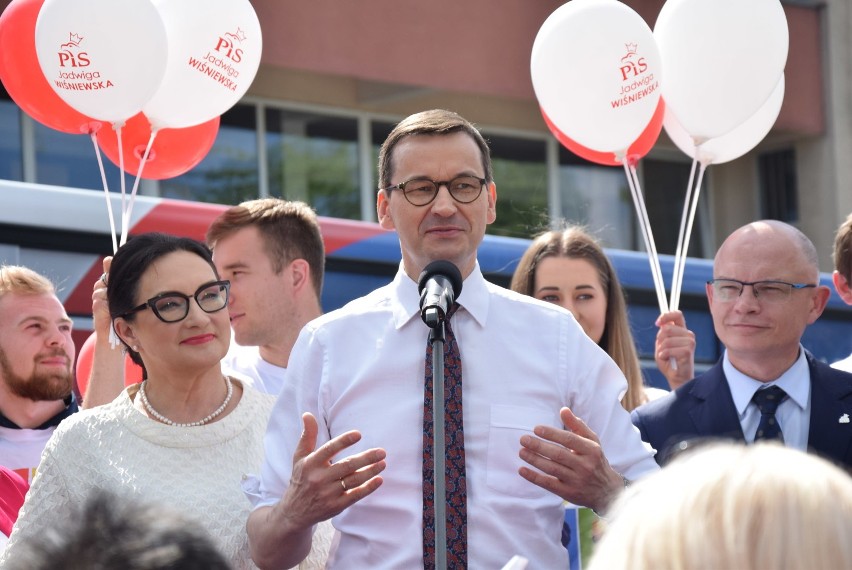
x: 70, y: 408
x: 406, y: 300
x: 743, y: 387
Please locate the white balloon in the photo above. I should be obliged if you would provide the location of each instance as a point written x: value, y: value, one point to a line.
x: 596, y: 73
x: 721, y: 60
x: 732, y: 144
x: 102, y: 57
x: 214, y: 53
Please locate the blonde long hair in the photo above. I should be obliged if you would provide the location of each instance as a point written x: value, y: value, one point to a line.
x: 617, y: 340
x: 729, y: 505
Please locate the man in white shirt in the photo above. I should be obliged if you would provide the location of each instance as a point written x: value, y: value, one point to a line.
x: 36, y: 355
x: 764, y: 294
x: 842, y: 276
x: 271, y: 251
x: 359, y: 374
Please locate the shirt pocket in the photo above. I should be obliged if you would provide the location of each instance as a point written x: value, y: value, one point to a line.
x: 508, y: 424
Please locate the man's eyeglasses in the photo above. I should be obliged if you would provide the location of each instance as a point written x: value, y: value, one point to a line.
x: 421, y: 191
x: 172, y: 307
x: 768, y: 291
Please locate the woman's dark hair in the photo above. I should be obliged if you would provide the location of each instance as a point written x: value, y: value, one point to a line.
x: 130, y: 263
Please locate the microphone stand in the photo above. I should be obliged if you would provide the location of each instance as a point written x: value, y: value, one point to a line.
x: 435, y: 321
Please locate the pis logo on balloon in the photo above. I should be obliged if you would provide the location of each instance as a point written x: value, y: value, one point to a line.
x: 636, y: 81
x: 72, y: 57
x: 218, y: 65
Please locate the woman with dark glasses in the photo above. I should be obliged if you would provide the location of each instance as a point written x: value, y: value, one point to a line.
x: 187, y: 435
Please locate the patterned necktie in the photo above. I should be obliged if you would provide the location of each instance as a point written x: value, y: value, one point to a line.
x: 456, y: 481
x: 767, y: 401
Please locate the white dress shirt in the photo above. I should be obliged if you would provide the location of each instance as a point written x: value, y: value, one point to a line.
x: 245, y: 363
x: 362, y: 367
x: 793, y: 414
x: 844, y: 364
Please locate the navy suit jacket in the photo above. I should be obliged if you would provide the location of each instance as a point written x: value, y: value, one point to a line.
x: 704, y: 408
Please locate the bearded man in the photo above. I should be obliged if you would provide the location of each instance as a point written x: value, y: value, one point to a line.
x: 36, y: 356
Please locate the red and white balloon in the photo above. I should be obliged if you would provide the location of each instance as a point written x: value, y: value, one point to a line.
x: 104, y: 58
x: 596, y: 73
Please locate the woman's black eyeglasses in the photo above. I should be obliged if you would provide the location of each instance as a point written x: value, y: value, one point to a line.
x: 172, y: 306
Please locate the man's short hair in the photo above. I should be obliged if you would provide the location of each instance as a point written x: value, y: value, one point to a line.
x: 289, y: 229
x: 118, y: 532
x: 843, y: 249
x: 23, y: 281
x: 434, y: 122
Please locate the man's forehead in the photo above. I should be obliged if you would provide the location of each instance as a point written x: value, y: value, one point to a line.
x: 16, y: 308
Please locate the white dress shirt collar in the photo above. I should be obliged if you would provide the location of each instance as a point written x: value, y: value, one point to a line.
x: 791, y: 381
x: 405, y: 299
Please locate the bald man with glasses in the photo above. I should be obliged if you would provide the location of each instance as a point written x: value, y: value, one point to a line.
x: 764, y: 293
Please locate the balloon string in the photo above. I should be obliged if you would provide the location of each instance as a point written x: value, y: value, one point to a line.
x: 113, y: 337
x: 644, y: 224
x: 106, y: 191
x: 676, y: 286
x: 647, y: 234
x: 117, y: 128
x: 682, y: 232
x: 136, y: 184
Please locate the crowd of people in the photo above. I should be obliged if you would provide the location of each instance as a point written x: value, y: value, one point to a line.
x: 279, y: 437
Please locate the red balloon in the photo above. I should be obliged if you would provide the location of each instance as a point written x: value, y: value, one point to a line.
x: 132, y: 371
x: 637, y: 150
x: 22, y: 76
x: 174, y: 151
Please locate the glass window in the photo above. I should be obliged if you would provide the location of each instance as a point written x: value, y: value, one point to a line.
x: 11, y: 157
x: 314, y: 158
x: 597, y: 197
x: 70, y: 160
x: 379, y: 131
x: 665, y: 184
x: 520, y: 171
x: 778, y: 191
x: 228, y: 174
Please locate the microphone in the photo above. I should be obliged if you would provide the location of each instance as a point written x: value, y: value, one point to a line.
x: 440, y: 284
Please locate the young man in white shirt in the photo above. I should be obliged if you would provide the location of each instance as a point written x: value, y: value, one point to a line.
x: 36, y: 356
x: 359, y: 374
x: 271, y: 251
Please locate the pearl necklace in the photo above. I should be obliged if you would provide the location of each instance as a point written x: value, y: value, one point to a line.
x: 157, y: 415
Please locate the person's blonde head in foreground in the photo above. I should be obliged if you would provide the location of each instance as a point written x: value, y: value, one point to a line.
x: 728, y: 506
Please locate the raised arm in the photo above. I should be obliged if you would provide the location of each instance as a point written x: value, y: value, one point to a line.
x: 675, y: 343
x: 106, y: 379
x: 280, y: 535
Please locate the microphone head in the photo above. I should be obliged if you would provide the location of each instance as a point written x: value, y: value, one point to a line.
x: 445, y: 269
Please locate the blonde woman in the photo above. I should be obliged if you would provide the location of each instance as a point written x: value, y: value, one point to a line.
x: 727, y: 505
x: 568, y: 267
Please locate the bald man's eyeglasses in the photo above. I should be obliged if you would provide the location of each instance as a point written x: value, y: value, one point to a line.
x: 728, y: 290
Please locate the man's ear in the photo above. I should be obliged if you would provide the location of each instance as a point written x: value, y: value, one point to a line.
x: 841, y: 285
x: 492, y: 202
x: 300, y: 274
x: 820, y: 300
x: 383, y: 210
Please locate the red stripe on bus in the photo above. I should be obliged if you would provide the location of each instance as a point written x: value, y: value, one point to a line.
x: 192, y: 219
